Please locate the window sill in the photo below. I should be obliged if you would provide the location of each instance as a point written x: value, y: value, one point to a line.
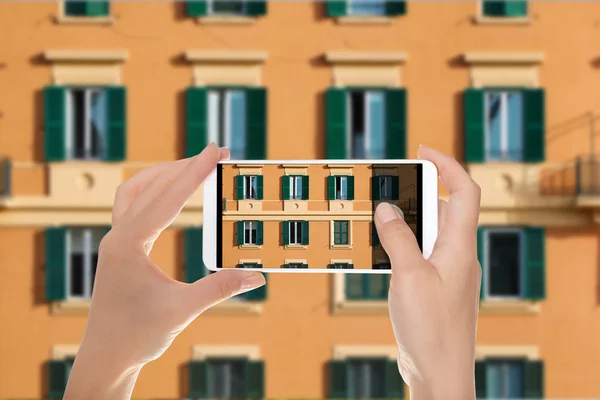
x: 483, y: 20
x: 363, y: 20
x: 361, y: 307
x: 66, y: 20
x: 340, y: 246
x: 235, y: 307
x: 296, y: 246
x: 70, y: 307
x: 509, y: 307
x: 250, y: 246
x: 226, y: 20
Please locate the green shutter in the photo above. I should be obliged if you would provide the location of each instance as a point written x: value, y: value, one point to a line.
x: 259, y: 187
x: 336, y: 8
x: 375, y: 188
x: 480, y: 380
x: 196, y: 8
x: 474, y: 129
x: 285, y: 187
x: 255, y: 379
x: 338, y: 380
x: 494, y: 8
x: 197, y: 380
x: 331, y: 187
x: 481, y: 257
x: 335, y: 108
x: 256, y: 8
x: 256, y: 119
x: 259, y: 232
x: 395, y: 187
x: 194, y: 264
x: 116, y: 146
x: 56, y: 264
x: 258, y: 294
x: 239, y: 187
x: 54, y: 123
x: 515, y: 8
x: 535, y: 125
x: 394, y: 382
x: 97, y: 8
x: 535, y: 263
x: 305, y: 187
x: 75, y: 8
x: 285, y: 232
x: 305, y: 233
x: 196, y: 114
x: 240, y: 232
x: 350, y: 188
x: 58, y: 375
x: 395, y: 7
x: 395, y: 118
x: 534, y: 379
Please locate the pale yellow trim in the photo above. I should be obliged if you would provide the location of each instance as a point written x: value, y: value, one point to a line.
x: 503, y: 57
x: 382, y: 171
x: 106, y: 20
x: 296, y: 206
x: 508, y: 307
x: 340, y: 261
x: 249, y: 260
x: 365, y: 57
x: 294, y: 165
x: 301, y: 216
x: 490, y: 75
x: 70, y: 307
x: 85, y: 55
x: 202, y: 352
x: 380, y: 75
x: 225, y: 20
x: 250, y: 169
x: 235, y: 307
x: 225, y: 56
x: 86, y: 74
x: 295, y: 169
x: 502, y: 20
x: 343, y: 206
x: 337, y: 166
x: 332, y: 236
x: 340, y: 305
x: 558, y: 217
x: 529, y: 352
x: 588, y: 201
x: 250, y: 246
x: 345, y: 170
x: 296, y: 246
x: 63, y: 351
x: 227, y: 74
x: 249, y: 206
x: 342, y: 352
x: 353, y: 20
x: 294, y: 261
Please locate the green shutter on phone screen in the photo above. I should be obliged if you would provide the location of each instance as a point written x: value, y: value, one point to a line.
x: 338, y: 380
x: 256, y: 8
x: 350, y: 182
x: 239, y: 187
x: 259, y: 232
x: 285, y: 232
x: 395, y: 187
x: 97, y: 8
x: 56, y: 264
x: 480, y: 380
x: 194, y: 264
x: 535, y: 125
x: 474, y: 125
x: 54, y: 123
x: 58, y: 375
x: 331, y: 187
x: 535, y: 263
x: 196, y: 8
x: 494, y: 8
x: 116, y: 146
x: 375, y: 188
x: 285, y: 187
x: 395, y: 7
x: 305, y: 186
x: 515, y: 8
x: 336, y: 8
x: 197, y: 380
x: 259, y: 187
x: 196, y: 109
x: 394, y: 382
x: 395, y: 118
x: 256, y: 123
x: 305, y: 233
x: 255, y: 379
x: 534, y: 379
x: 336, y: 114
x: 481, y: 257
x: 240, y: 232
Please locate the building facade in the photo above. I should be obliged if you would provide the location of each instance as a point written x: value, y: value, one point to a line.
x: 93, y: 92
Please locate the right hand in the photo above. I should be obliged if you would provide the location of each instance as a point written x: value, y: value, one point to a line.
x: 434, y: 303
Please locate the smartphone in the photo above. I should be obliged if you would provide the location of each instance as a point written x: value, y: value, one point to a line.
x: 313, y: 216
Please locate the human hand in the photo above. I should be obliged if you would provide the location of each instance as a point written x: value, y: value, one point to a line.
x: 434, y: 303
x: 137, y: 310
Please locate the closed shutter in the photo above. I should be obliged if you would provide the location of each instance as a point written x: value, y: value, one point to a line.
x: 395, y: 7
x: 338, y: 380
x: 258, y: 294
x: 58, y: 375
x: 335, y: 108
x: 196, y: 114
x: 535, y: 125
x: 56, y: 264
x: 197, y: 380
x: 256, y: 119
x: 480, y: 380
x: 305, y: 233
x: 474, y: 129
x: 285, y: 187
x: 259, y: 187
x: 256, y: 8
x: 239, y: 187
x: 255, y: 379
x: 331, y: 187
x: 196, y: 8
x: 54, y: 123
x: 116, y: 146
x: 98, y: 8
x: 305, y: 187
x: 481, y: 257
x: 515, y: 8
x: 535, y: 263
x: 350, y: 188
x: 285, y: 232
x: 394, y: 382
x: 194, y: 264
x: 395, y: 117
x: 75, y: 8
x: 259, y: 232
x: 240, y: 232
x: 494, y: 8
x: 337, y: 8
x: 375, y: 188
x: 395, y: 187
x: 534, y: 379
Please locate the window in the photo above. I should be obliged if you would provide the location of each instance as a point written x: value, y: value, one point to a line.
x: 385, y: 187
x: 504, y: 125
x: 366, y: 7
x: 86, y: 123
x: 367, y: 287
x: 340, y: 187
x: 227, y: 120
x: 509, y: 378
x: 82, y: 245
x: 58, y: 375
x: 341, y: 233
x: 367, y: 124
x: 365, y: 378
x: 295, y: 233
x: 504, y: 8
x: 226, y: 7
x: 249, y: 187
x: 295, y: 265
x: 250, y: 232
x: 86, y: 8
x: 202, y: 8
x: 226, y: 378
x: 296, y: 187
x: 340, y: 265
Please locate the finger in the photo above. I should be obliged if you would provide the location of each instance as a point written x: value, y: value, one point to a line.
x: 220, y: 286
x: 162, y: 210
x: 442, y: 214
x: 397, y: 239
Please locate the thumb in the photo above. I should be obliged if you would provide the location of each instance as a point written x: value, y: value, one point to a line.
x: 214, y: 288
x: 396, y: 237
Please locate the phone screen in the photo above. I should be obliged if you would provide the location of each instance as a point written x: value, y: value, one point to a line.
x: 311, y: 215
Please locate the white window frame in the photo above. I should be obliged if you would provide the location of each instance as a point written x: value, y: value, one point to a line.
x: 358, y: 14
x: 211, y: 11
x: 295, y: 187
x: 297, y: 227
x: 387, y: 184
x: 218, y: 99
x: 486, y: 271
x: 250, y: 181
x: 249, y: 226
x: 87, y: 134
x: 367, y: 120
x: 505, y: 155
x: 88, y: 250
x: 343, y: 187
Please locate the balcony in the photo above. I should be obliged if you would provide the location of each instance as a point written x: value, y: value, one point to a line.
x: 579, y: 179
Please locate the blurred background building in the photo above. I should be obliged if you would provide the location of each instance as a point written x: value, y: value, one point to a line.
x: 92, y: 92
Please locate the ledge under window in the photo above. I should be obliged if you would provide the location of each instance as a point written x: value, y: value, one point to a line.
x: 71, y: 307
x: 68, y: 20
x: 508, y: 307
x: 483, y: 20
x: 341, y: 305
x: 226, y: 20
x: 367, y: 20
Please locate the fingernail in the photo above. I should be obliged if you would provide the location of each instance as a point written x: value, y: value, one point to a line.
x: 252, y: 281
x: 387, y: 212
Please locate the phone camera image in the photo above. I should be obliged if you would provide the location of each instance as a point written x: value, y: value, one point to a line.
x: 314, y: 216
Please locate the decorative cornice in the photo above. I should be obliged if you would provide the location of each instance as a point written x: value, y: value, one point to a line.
x: 503, y: 58
x: 208, y: 56
x: 364, y: 57
x: 99, y: 56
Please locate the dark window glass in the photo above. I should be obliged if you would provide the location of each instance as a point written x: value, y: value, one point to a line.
x: 226, y: 379
x: 366, y: 379
x: 77, y: 274
x: 78, y: 123
x: 504, y: 259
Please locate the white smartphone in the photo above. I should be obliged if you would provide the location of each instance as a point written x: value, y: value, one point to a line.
x: 313, y: 216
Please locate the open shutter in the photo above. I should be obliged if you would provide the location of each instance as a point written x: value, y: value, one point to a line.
x: 395, y: 118
x: 258, y: 294
x: 305, y: 233
x: 337, y: 8
x: 56, y: 264
x: 256, y: 119
x: 535, y: 125
x: 259, y: 187
x: 481, y: 257
x: 196, y: 114
x: 305, y: 187
x: 394, y: 382
x: 58, y: 375
x: 197, y: 380
x: 474, y: 129
x: 255, y: 379
x: 240, y: 232
x: 239, y: 187
x: 534, y: 379
x: 194, y: 265
x: 285, y: 187
x: 350, y: 188
x: 97, y: 8
x: 395, y: 7
x: 515, y: 8
x: 335, y: 108
x: 480, y: 380
x: 338, y: 380
x: 197, y: 8
x: 259, y: 232
x: 54, y: 123
x: 256, y: 8
x: 116, y: 146
x: 331, y: 187
x: 395, y: 187
x: 375, y: 188
x: 535, y: 263
x: 285, y: 232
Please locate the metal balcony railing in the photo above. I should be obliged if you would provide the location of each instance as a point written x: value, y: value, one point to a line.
x: 5, y: 173
x: 580, y: 177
